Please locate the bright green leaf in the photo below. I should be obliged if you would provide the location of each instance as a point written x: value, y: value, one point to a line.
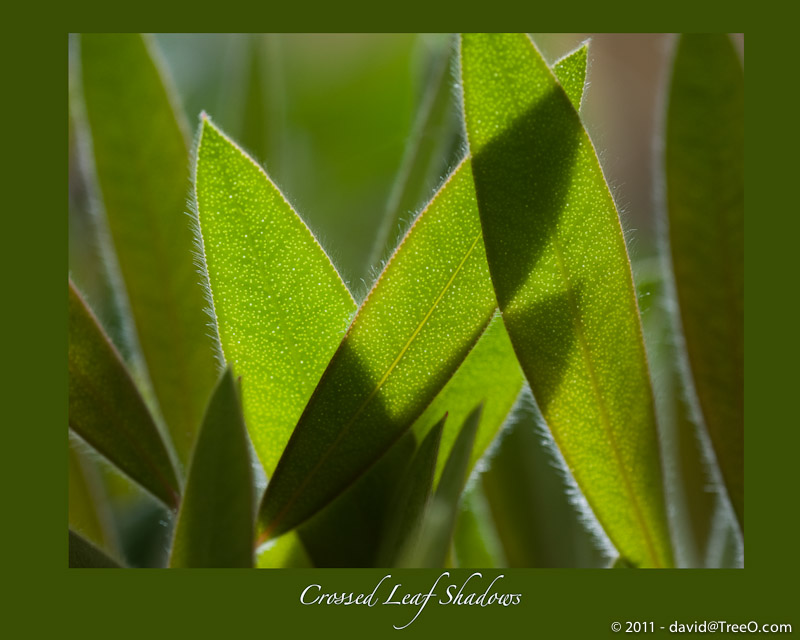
x: 705, y: 197
x: 281, y: 309
x: 426, y: 154
x: 415, y: 328
x: 142, y: 166
x: 491, y: 372
x: 84, y: 555
x: 284, y: 552
x: 106, y: 410
x: 571, y: 73
x: 563, y: 282
x: 408, y: 505
x: 216, y: 520
x: 439, y: 521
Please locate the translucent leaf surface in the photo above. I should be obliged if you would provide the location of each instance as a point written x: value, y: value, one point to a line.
x: 216, y: 520
x: 705, y: 197
x: 281, y: 309
x: 141, y: 160
x: 425, y: 313
x: 106, y: 410
x: 563, y: 282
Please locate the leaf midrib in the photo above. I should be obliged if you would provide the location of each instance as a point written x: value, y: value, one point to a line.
x: 265, y: 536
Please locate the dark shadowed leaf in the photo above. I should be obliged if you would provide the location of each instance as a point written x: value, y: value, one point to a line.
x: 106, y: 410
x: 431, y: 547
x: 705, y: 198
x: 411, y: 497
x: 141, y: 161
x: 561, y: 273
x: 216, y: 520
x: 84, y: 555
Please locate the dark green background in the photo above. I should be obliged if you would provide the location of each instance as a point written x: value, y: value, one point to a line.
x: 555, y: 603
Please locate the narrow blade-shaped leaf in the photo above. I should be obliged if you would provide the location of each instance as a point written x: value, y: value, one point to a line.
x: 106, y: 410
x: 571, y: 74
x: 408, y: 505
x: 286, y: 552
x: 439, y: 520
x: 142, y: 167
x: 425, y: 313
x: 216, y: 520
x: 705, y: 197
x: 563, y: 282
x: 84, y: 555
x: 490, y: 373
x: 89, y: 508
x: 281, y: 309
x: 475, y: 541
x: 427, y: 154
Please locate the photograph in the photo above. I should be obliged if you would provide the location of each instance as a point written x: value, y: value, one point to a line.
x: 471, y: 303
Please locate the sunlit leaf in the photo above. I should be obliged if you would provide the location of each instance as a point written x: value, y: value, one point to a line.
x: 284, y: 552
x: 563, y: 282
x: 491, y: 372
x: 141, y: 162
x: 84, y: 555
x: 426, y: 154
x: 439, y: 520
x: 216, y: 520
x: 281, y: 309
x: 106, y: 410
x: 415, y: 328
x: 411, y: 497
x: 705, y: 197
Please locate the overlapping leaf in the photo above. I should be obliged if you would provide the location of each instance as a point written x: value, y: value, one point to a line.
x: 142, y: 163
x: 84, y: 555
x: 563, y: 282
x: 425, y: 313
x: 106, y: 410
x: 439, y: 520
x: 281, y: 309
x: 216, y: 520
x: 402, y: 527
x: 705, y: 197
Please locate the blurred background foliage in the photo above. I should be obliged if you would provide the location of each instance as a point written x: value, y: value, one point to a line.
x: 330, y: 117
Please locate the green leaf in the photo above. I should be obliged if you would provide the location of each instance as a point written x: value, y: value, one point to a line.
x: 281, y: 308
x: 491, y: 371
x: 142, y: 168
x: 490, y: 374
x: 216, y: 520
x: 562, y: 277
x: 89, y: 509
x: 475, y: 542
x: 284, y: 552
x: 430, y: 306
x: 106, y: 410
x: 426, y: 155
x: 408, y: 505
x: 705, y: 197
x: 439, y: 520
x: 84, y: 555
x: 571, y: 74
